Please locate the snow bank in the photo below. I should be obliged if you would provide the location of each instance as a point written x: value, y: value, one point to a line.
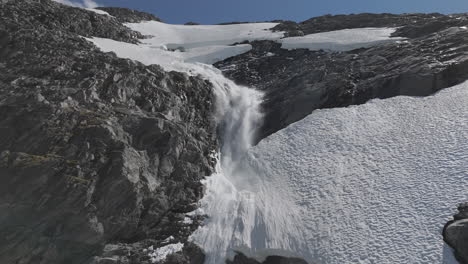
x: 161, y: 253
x: 373, y: 183
x: 173, y: 45
x: 341, y: 40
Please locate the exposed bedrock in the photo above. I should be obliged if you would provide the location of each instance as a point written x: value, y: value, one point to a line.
x: 409, y: 25
x: 242, y: 259
x: 456, y: 233
x: 297, y: 82
x: 99, y: 156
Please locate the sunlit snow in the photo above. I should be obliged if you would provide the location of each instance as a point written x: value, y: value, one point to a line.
x: 373, y: 183
x: 341, y: 40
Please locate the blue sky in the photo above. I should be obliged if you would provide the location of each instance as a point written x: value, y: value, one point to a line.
x: 216, y: 11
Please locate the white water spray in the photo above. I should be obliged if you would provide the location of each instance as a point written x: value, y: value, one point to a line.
x: 244, y: 214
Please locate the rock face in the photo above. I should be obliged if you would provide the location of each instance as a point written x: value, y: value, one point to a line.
x: 296, y: 82
x: 242, y: 259
x: 126, y: 15
x: 410, y: 25
x: 100, y: 157
x: 456, y: 233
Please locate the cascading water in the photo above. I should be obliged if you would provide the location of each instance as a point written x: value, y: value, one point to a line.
x: 247, y: 210
x: 244, y: 214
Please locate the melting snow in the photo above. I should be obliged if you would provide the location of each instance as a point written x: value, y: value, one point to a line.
x: 341, y: 40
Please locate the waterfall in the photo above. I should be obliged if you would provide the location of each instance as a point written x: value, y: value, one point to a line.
x: 244, y: 213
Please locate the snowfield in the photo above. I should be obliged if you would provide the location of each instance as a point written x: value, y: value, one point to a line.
x: 373, y: 183
x: 341, y: 40
x: 175, y: 47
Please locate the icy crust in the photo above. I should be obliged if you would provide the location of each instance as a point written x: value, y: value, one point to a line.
x: 373, y: 183
x: 341, y: 40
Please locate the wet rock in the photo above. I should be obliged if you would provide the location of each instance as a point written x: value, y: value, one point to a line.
x: 456, y: 233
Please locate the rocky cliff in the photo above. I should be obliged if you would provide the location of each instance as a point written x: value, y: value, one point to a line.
x: 101, y: 158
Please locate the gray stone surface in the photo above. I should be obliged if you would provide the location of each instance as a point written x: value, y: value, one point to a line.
x: 94, y: 150
x: 456, y: 233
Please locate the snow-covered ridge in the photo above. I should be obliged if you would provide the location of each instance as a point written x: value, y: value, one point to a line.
x: 373, y: 183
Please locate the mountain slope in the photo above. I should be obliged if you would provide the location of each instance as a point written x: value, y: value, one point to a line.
x: 103, y: 159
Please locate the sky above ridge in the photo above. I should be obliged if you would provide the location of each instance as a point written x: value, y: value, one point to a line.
x: 218, y: 11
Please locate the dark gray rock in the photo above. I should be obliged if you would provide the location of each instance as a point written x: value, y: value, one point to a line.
x: 456, y: 233
x: 126, y: 15
x: 299, y: 81
x: 410, y: 25
x: 100, y: 157
x: 191, y: 23
x: 19, y: 15
x: 242, y: 259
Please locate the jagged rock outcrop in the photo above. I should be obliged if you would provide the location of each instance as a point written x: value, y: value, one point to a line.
x: 242, y: 259
x: 48, y: 15
x: 296, y: 82
x: 126, y: 15
x: 456, y: 233
x: 99, y: 156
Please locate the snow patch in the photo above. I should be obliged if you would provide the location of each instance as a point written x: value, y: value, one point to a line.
x: 341, y: 40
x: 173, y: 45
x: 98, y: 11
x: 161, y: 253
x: 373, y: 183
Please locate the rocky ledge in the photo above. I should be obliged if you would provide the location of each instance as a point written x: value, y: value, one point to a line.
x: 100, y: 157
x: 456, y: 233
